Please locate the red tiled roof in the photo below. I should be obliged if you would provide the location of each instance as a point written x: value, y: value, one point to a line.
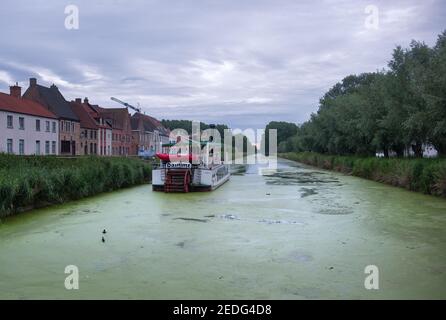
x: 24, y: 106
x: 94, y: 111
x: 150, y: 123
x: 117, y: 116
x: 81, y: 110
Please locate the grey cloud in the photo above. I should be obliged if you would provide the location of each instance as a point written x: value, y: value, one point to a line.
x: 238, y: 62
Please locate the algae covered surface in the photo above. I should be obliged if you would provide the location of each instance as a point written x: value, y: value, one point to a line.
x: 292, y: 233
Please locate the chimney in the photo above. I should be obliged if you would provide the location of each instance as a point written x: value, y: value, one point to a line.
x: 15, y: 90
x: 78, y: 100
x: 86, y: 100
x: 32, y: 82
x: 53, y: 86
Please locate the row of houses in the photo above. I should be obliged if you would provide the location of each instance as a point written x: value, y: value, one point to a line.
x: 43, y: 122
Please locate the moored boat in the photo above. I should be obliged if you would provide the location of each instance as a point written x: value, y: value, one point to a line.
x: 189, y: 172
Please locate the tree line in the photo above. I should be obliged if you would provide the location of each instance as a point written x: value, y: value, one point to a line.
x: 388, y: 111
x: 187, y: 125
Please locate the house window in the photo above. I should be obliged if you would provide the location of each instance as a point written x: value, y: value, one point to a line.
x: 9, y: 145
x: 21, y: 147
x: 9, y: 122
x: 47, y: 147
x: 53, y: 147
x: 54, y: 127
x: 91, y: 134
x: 61, y: 126
x: 47, y: 126
x: 72, y: 126
x: 21, y: 123
x: 67, y: 126
x: 37, y: 147
x: 37, y: 125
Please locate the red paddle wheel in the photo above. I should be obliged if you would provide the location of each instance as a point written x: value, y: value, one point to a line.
x: 177, y: 180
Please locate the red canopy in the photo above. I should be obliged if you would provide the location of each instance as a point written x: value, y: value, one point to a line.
x: 173, y: 157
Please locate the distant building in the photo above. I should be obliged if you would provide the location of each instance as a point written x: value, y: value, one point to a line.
x: 89, y: 128
x: 148, y: 135
x: 119, y: 119
x: 26, y: 127
x: 69, y: 123
x: 96, y: 133
x: 429, y: 151
x: 105, y: 129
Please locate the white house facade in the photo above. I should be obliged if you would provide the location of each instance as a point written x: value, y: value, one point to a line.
x: 27, y: 135
x: 27, y: 128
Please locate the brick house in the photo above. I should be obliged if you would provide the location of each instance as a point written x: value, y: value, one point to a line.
x: 26, y: 127
x: 119, y: 119
x: 89, y: 128
x: 69, y: 123
x: 96, y: 133
x: 148, y: 134
x: 105, y: 129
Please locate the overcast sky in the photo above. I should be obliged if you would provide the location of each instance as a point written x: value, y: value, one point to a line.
x: 239, y: 62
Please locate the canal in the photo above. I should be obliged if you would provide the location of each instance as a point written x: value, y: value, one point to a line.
x: 294, y: 233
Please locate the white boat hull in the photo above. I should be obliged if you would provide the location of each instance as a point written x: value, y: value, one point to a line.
x: 202, y: 179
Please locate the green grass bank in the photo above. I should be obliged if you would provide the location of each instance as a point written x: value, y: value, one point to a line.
x: 420, y: 175
x: 28, y: 182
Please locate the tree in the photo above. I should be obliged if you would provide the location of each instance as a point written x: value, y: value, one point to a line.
x: 285, y: 130
x: 385, y: 111
x: 436, y: 95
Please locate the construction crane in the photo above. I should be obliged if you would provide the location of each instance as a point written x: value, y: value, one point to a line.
x: 126, y: 104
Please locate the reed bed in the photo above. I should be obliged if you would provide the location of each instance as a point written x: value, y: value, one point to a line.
x: 427, y: 175
x: 28, y: 182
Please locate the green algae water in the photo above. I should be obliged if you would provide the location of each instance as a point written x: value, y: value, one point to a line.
x: 291, y: 233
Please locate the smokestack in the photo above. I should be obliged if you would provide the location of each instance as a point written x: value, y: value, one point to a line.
x: 32, y: 82
x: 15, y: 91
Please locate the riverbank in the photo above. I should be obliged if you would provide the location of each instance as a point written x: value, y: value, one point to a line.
x: 421, y: 175
x: 34, y: 181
